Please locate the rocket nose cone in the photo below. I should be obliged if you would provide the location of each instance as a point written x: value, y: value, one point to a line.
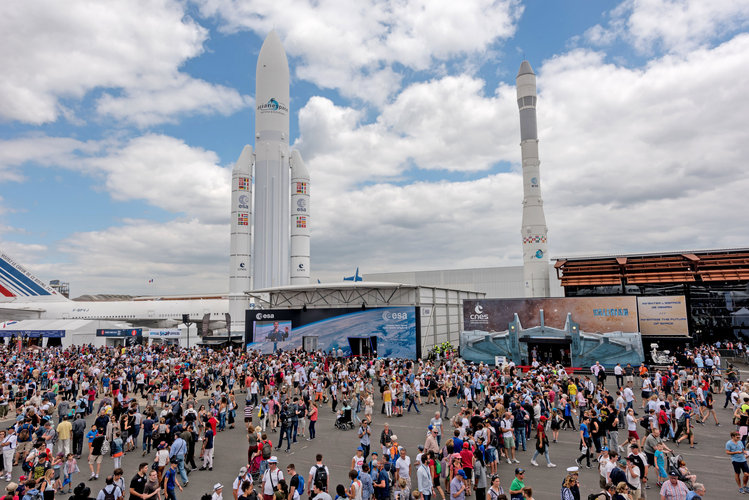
x: 525, y: 69
x: 272, y: 52
x: 244, y: 162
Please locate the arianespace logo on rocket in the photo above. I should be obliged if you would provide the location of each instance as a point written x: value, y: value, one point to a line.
x: 273, y: 106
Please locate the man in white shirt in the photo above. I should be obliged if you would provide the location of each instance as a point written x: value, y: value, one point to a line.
x: 316, y: 471
x: 629, y: 397
x: 403, y: 468
x: 8, y: 445
x: 508, y: 436
x: 271, y: 478
x: 619, y: 374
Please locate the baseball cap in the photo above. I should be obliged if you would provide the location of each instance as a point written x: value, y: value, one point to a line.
x: 462, y: 473
x: 519, y: 470
x: 243, y: 471
x: 273, y: 460
x: 217, y: 486
x: 360, y: 449
x: 393, y: 437
x: 465, y: 445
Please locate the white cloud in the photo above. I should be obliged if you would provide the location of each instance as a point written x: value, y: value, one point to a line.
x: 633, y: 160
x: 359, y: 47
x: 677, y: 26
x: 160, y: 170
x: 179, y: 255
x: 15, y: 153
x: 64, y: 50
x: 167, y: 173
x: 445, y: 124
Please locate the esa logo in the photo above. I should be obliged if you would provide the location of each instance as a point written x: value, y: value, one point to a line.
x: 394, y: 316
x: 259, y: 316
x: 301, y: 205
x: 478, y: 314
x: 244, y: 202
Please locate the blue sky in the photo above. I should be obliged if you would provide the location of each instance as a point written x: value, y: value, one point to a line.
x: 120, y: 121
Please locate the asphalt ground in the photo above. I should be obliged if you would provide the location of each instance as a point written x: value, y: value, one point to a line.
x: 707, y: 460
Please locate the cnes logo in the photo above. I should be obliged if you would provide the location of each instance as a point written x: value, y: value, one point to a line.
x: 478, y: 314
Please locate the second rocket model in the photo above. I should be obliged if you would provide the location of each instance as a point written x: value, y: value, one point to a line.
x: 533, y: 231
x: 281, y: 217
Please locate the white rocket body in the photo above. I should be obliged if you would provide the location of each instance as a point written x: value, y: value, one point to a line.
x: 274, y: 212
x: 534, y: 230
x: 300, y: 220
x: 240, y: 262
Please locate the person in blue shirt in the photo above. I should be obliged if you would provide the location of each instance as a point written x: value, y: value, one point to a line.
x: 585, y: 442
x: 382, y: 483
x: 177, y: 452
x: 170, y: 481
x: 735, y: 449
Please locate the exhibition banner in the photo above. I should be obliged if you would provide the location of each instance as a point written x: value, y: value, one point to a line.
x: 665, y: 315
x: 393, y: 328
x: 593, y: 314
x: 169, y: 333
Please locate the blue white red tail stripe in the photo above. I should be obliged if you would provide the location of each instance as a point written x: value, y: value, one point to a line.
x: 15, y: 281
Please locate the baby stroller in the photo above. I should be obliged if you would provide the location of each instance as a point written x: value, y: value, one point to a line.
x: 344, y: 421
x: 673, y: 466
x: 255, y: 468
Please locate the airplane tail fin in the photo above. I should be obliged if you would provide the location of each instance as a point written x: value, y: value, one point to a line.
x: 16, y: 283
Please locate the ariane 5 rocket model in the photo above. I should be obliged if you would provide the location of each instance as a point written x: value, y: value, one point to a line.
x: 533, y: 231
x: 281, y: 215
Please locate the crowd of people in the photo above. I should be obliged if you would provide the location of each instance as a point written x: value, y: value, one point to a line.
x: 170, y: 405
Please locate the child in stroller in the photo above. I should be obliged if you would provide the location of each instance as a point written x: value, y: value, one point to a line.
x: 676, y: 464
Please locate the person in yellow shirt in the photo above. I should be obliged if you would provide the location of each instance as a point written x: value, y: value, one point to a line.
x: 572, y: 391
x: 387, y: 398
x: 65, y: 435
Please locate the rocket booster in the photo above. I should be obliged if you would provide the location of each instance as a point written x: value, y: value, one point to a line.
x: 534, y: 230
x: 300, y: 220
x: 240, y: 262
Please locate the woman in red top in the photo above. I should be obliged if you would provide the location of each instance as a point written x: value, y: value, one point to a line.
x: 312, y: 420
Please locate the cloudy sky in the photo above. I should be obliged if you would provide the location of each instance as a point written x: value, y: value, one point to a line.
x: 120, y: 121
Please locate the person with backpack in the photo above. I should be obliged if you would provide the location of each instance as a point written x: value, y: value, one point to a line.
x: 242, y: 477
x: 296, y: 483
x: 110, y: 491
x: 272, y: 477
x: 266, y: 449
x: 286, y: 426
x: 319, y: 473
x: 170, y: 483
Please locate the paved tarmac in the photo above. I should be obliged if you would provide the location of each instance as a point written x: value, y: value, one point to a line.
x: 708, y: 460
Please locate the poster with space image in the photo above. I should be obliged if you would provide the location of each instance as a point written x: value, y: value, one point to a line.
x: 379, y: 331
